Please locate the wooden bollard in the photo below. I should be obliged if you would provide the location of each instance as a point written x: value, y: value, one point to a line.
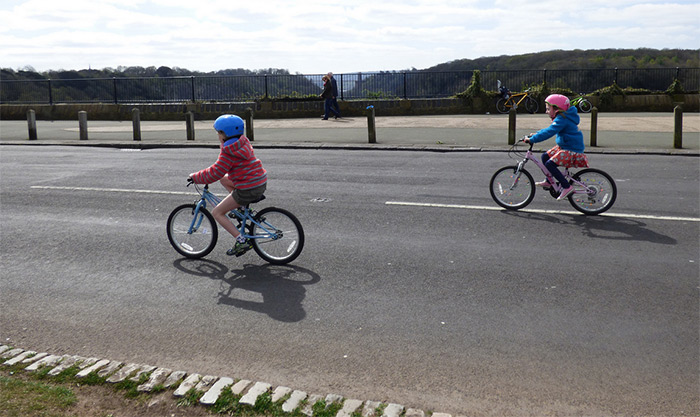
x: 31, y: 124
x: 371, y: 129
x: 136, y: 122
x: 249, y: 132
x: 189, y: 123
x: 82, y: 125
x: 511, y: 126
x: 594, y: 126
x: 678, y: 127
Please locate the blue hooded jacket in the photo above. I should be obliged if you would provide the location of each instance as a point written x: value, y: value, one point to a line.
x: 565, y: 126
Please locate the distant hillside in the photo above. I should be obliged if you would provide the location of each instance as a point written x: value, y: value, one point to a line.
x: 580, y: 59
x: 576, y: 59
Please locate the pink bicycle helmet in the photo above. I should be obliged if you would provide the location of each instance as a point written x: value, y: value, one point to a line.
x: 559, y: 101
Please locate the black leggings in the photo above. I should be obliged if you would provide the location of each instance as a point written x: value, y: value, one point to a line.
x: 554, y: 169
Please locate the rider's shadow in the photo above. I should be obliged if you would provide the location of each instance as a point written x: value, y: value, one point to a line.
x: 275, y: 290
x: 603, y: 227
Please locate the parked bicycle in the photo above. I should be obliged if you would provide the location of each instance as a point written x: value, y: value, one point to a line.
x: 584, y: 106
x: 512, y: 187
x: 508, y: 100
x: 275, y: 234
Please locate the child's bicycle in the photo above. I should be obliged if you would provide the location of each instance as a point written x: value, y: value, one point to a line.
x: 513, y: 188
x: 582, y: 103
x: 275, y: 234
x: 509, y: 100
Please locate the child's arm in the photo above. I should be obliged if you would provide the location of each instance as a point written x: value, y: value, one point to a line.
x: 215, y: 172
x: 548, y: 131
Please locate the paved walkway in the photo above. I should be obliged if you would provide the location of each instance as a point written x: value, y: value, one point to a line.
x: 617, y: 132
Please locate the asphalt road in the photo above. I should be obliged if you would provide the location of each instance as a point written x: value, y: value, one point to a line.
x: 455, y: 307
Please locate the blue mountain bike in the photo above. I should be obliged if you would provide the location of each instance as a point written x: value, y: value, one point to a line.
x: 275, y: 234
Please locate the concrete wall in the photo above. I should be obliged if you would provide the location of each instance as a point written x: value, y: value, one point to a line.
x: 314, y: 108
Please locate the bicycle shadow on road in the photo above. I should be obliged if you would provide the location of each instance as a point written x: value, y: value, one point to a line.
x: 275, y: 290
x: 603, y: 227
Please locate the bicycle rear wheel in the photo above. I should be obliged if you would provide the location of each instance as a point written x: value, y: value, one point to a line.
x: 585, y: 106
x: 203, y: 235
x: 501, y: 106
x: 531, y: 105
x: 601, y: 194
x: 278, y: 237
x: 511, y: 189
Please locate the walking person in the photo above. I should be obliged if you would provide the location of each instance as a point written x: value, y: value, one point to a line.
x: 334, y: 90
x: 327, y: 94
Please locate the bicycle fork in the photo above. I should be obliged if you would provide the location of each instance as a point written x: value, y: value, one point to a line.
x: 197, y: 217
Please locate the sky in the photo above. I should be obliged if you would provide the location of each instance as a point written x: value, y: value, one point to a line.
x: 314, y: 37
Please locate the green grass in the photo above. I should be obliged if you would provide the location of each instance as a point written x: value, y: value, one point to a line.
x: 34, y: 398
x: 39, y: 394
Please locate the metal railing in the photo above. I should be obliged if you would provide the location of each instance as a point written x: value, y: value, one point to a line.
x: 389, y: 85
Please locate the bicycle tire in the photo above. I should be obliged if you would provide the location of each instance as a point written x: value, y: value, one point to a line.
x: 192, y: 245
x: 288, y: 240
x: 604, y: 192
x: 510, y: 192
x: 531, y: 105
x: 585, y: 106
x: 501, y: 106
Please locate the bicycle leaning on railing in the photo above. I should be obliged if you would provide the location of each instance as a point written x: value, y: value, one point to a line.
x: 275, y: 234
x: 512, y: 187
x: 509, y: 100
x: 584, y: 106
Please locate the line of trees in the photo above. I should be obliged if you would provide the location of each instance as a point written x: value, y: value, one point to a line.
x: 577, y: 70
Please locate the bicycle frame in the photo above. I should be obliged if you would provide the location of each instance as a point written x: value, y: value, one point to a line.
x: 556, y: 187
x: 243, y: 214
x: 511, y: 102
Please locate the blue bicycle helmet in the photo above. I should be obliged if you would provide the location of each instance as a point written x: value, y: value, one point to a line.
x: 230, y: 124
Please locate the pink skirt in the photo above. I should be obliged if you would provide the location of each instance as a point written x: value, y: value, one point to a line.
x: 567, y: 159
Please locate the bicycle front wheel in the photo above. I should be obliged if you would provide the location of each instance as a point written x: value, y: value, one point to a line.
x: 585, y: 106
x: 278, y: 237
x: 598, y: 195
x: 192, y: 235
x: 512, y: 189
x: 501, y: 106
x: 531, y: 105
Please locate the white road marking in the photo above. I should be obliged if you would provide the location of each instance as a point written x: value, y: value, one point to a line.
x: 391, y: 203
x: 494, y: 208
x: 115, y: 190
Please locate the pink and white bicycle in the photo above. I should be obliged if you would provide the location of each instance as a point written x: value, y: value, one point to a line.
x: 512, y: 187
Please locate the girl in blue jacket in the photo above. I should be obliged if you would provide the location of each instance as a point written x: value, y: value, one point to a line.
x: 569, y: 149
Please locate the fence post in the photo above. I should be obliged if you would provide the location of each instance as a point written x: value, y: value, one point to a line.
x: 594, y: 126
x: 189, y: 123
x: 678, y: 127
x: 192, y: 85
x: 405, y: 89
x: 511, y: 126
x: 371, y: 129
x: 136, y: 122
x: 249, y: 132
x: 114, y: 89
x: 31, y: 124
x: 50, y: 92
x: 82, y: 125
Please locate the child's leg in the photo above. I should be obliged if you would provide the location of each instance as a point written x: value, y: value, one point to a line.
x: 227, y: 183
x: 554, y: 169
x: 220, y: 213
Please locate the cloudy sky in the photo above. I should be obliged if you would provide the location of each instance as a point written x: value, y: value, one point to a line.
x: 313, y: 37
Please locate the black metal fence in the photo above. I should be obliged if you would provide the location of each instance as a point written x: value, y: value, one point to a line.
x: 351, y: 86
